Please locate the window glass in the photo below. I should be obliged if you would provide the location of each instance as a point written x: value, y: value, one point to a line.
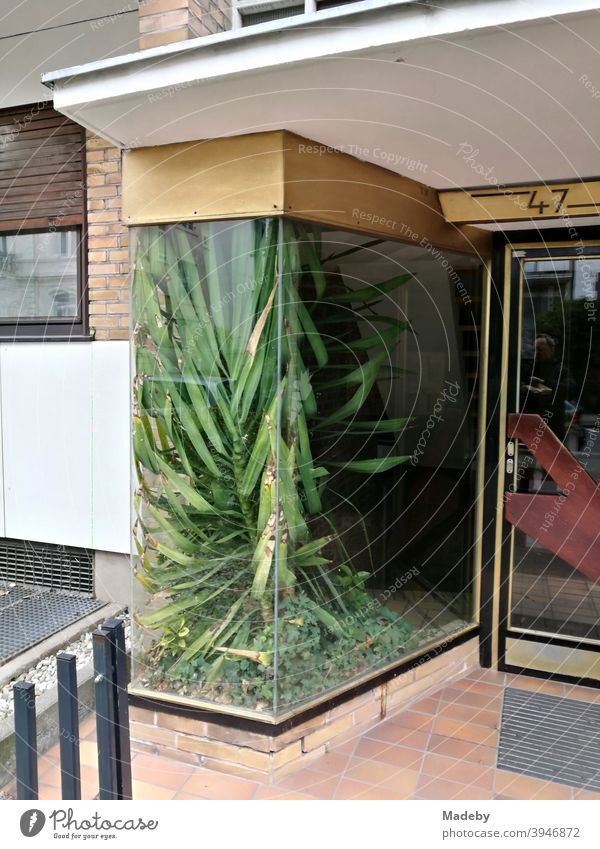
x: 39, y: 276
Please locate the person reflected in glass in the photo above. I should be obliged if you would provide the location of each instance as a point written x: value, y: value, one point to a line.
x: 546, y: 386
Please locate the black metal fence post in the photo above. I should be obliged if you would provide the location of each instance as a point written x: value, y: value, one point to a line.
x: 105, y: 714
x: 68, y: 722
x: 25, y: 740
x: 116, y: 635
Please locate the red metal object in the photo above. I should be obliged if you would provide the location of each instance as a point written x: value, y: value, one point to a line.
x: 567, y: 523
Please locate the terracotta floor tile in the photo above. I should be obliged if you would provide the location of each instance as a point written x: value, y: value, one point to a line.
x: 145, y: 790
x: 162, y: 771
x: 468, y: 731
x: 383, y: 775
x: 391, y: 733
x: 453, y: 791
x: 463, y: 750
x: 413, y: 720
x: 538, y: 685
x: 333, y: 763
x: 88, y: 727
x: 48, y: 793
x: 266, y: 792
x: 216, y: 785
x: 311, y: 782
x: 88, y: 752
x: 481, y: 687
x: 440, y: 788
x: 523, y: 787
x: 379, y: 750
x: 584, y: 694
x: 476, y: 715
x: 426, y: 705
x: 51, y: 780
x: 380, y: 794
x: 585, y: 794
x: 89, y: 782
x: 454, y: 696
x: 464, y: 772
x: 489, y: 676
x: 346, y: 748
x: 48, y: 759
x: 187, y: 797
x: 50, y: 775
x: 349, y: 789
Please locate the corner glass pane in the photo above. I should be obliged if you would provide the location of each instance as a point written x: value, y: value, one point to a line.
x: 39, y: 275
x: 305, y: 442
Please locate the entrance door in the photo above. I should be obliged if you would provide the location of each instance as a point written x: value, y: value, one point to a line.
x: 550, y: 596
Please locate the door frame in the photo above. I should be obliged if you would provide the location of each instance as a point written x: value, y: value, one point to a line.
x: 495, y: 635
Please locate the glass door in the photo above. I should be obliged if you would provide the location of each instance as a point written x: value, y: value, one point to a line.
x: 550, y: 592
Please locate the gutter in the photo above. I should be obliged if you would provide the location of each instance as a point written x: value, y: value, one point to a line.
x: 429, y: 18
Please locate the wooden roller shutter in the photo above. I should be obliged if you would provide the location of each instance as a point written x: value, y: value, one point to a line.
x: 41, y: 169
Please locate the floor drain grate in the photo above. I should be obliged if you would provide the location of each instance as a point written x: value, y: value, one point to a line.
x: 30, y: 614
x: 550, y: 737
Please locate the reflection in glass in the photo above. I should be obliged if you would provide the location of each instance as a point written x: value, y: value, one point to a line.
x: 38, y: 275
x: 559, y: 381
x: 305, y: 435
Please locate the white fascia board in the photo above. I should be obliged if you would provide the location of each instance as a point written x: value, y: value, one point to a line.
x: 346, y: 30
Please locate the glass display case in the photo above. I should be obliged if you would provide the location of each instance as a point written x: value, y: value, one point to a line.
x: 305, y: 449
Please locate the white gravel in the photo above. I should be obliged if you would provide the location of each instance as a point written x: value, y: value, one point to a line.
x: 43, y: 674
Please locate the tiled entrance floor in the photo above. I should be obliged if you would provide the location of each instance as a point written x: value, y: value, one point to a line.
x: 442, y: 747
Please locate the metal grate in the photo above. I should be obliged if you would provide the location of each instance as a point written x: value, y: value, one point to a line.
x: 58, y: 566
x: 30, y: 614
x: 552, y: 738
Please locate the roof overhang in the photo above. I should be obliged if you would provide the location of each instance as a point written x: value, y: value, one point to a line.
x: 454, y: 94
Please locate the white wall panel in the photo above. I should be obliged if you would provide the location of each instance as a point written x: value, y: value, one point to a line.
x: 46, y: 441
x: 110, y: 440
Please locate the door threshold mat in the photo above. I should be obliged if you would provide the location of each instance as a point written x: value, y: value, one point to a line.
x: 30, y: 614
x: 550, y: 738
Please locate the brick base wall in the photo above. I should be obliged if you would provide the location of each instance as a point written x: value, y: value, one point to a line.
x: 264, y: 757
x: 108, y: 242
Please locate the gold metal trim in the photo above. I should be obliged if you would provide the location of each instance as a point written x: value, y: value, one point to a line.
x: 534, y: 202
x: 232, y: 710
x: 578, y: 640
x: 511, y: 556
x: 501, y: 455
x: 486, y: 287
x: 548, y: 657
x: 574, y: 244
x: 280, y: 173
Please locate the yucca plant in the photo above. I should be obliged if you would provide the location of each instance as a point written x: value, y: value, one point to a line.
x: 250, y: 361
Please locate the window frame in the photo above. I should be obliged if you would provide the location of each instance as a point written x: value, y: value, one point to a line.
x: 67, y: 328
x: 59, y: 328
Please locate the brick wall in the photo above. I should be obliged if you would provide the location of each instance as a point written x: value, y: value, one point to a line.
x: 167, y: 21
x: 108, y: 242
x: 264, y: 757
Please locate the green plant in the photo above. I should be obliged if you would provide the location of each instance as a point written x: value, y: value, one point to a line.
x: 232, y: 365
